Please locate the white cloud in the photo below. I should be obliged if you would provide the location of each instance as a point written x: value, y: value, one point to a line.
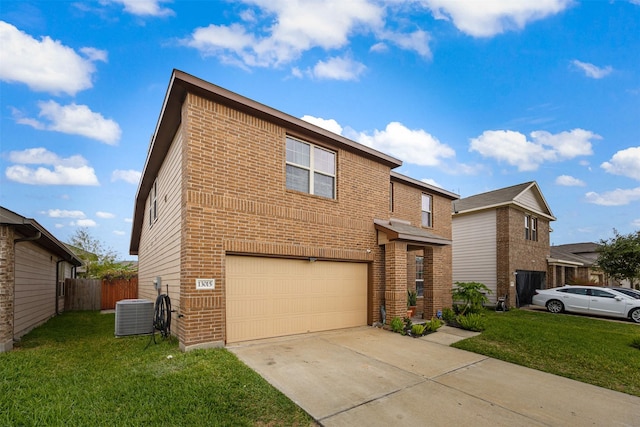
x: 515, y: 149
x: 293, y: 28
x: 412, y: 146
x: 417, y: 41
x: 145, y: 7
x: 84, y: 223
x: 591, y: 70
x: 129, y: 220
x: 119, y: 233
x: 636, y: 222
x: 105, y: 215
x: 76, y: 120
x: 61, y: 213
x: 338, y: 69
x: 617, y: 197
x: 290, y: 28
x: 42, y: 156
x: 488, y: 18
x: 569, y: 181
x: 329, y: 124
x: 625, y: 162
x: 66, y: 171
x: 131, y: 176
x: 60, y: 175
x: 379, y: 47
x: 45, y: 65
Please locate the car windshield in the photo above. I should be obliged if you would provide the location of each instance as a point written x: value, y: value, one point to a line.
x: 630, y: 292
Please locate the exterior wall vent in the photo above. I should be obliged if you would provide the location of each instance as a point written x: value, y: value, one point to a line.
x: 134, y: 317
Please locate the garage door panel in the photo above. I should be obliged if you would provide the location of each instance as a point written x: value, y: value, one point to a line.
x: 268, y: 297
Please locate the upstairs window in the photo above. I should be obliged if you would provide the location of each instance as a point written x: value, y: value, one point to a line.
x: 311, y: 169
x: 530, y: 228
x: 427, y: 216
x: 391, y: 197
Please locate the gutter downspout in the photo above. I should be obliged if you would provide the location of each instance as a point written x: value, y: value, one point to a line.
x: 57, y: 284
x: 28, y: 239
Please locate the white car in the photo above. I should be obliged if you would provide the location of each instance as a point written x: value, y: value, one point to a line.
x: 588, y: 300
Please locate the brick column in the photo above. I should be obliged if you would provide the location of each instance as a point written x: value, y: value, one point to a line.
x: 395, y: 293
x: 438, y: 278
x: 7, y: 280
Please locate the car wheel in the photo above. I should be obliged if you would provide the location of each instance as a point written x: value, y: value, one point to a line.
x: 555, y: 306
x: 635, y: 315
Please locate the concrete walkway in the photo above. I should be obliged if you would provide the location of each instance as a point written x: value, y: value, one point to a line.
x: 371, y: 377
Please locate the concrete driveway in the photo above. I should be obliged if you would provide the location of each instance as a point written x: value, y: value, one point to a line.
x: 370, y: 377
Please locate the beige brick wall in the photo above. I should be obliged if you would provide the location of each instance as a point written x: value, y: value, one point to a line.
x: 514, y: 252
x: 438, y: 267
x: 233, y: 200
x: 7, y: 280
x: 236, y: 201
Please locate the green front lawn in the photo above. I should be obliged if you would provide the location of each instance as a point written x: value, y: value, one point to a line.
x: 593, y: 351
x: 72, y: 371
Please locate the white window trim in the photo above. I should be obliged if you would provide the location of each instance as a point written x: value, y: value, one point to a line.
x: 430, y: 211
x: 422, y: 274
x: 313, y: 171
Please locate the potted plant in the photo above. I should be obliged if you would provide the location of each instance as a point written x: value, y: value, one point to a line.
x: 412, y: 301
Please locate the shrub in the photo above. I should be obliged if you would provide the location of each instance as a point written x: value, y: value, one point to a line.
x: 417, y: 330
x: 412, y: 298
x: 397, y: 324
x: 635, y: 342
x: 448, y: 315
x: 433, y: 325
x: 470, y: 297
x: 472, y: 322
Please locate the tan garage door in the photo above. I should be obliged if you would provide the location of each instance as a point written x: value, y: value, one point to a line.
x: 270, y: 297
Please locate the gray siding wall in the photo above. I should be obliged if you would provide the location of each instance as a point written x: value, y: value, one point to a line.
x: 159, y: 251
x: 474, y: 249
x: 529, y: 199
x: 35, y: 287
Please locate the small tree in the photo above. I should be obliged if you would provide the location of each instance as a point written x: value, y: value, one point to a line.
x: 99, y: 262
x: 472, y: 295
x: 619, y: 257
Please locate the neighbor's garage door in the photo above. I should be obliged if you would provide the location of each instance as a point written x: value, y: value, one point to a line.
x: 270, y: 297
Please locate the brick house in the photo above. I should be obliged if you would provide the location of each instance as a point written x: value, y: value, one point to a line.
x: 258, y: 224
x: 575, y: 263
x: 501, y: 238
x: 33, y: 266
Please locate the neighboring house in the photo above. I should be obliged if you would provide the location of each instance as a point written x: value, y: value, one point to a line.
x: 501, y: 239
x: 33, y: 267
x: 259, y: 224
x: 576, y: 263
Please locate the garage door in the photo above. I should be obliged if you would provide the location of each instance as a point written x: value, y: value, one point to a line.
x: 270, y: 297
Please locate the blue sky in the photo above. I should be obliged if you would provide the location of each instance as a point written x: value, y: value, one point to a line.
x: 472, y: 95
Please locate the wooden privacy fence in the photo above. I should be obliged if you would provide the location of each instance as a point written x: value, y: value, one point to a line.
x: 96, y: 294
x: 116, y: 290
x: 82, y: 294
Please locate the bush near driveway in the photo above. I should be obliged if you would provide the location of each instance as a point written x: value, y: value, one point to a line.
x: 72, y: 371
x: 594, y: 351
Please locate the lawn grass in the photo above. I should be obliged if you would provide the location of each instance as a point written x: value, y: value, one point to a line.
x: 72, y: 371
x: 593, y: 351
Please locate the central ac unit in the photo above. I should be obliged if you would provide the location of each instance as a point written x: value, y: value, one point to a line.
x: 134, y: 317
